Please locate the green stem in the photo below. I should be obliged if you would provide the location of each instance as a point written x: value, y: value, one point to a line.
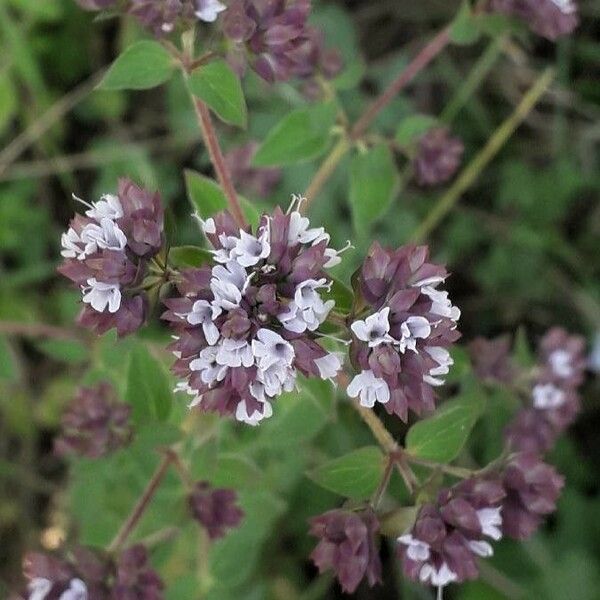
x: 472, y: 171
x: 459, y: 472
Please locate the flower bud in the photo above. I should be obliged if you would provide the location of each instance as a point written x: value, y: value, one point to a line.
x: 215, y: 509
x: 437, y: 158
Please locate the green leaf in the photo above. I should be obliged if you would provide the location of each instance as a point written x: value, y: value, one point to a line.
x: 342, y: 294
x: 464, y: 30
x: 441, y: 436
x: 189, y: 256
x: 301, y: 135
x: 523, y: 353
x: 69, y: 351
x: 414, y: 127
x: 8, y: 368
x: 207, y: 198
x: 148, y: 387
x: 373, y: 183
x: 355, y: 475
x: 142, y: 66
x: 219, y: 87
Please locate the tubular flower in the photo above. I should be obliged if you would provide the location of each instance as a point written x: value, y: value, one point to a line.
x: 400, y: 348
x: 106, y: 254
x: 347, y: 546
x: 94, y: 424
x: 443, y: 545
x: 549, y: 18
x: 532, y: 488
x: 246, y: 326
x: 215, y: 509
x: 438, y: 157
x: 276, y: 40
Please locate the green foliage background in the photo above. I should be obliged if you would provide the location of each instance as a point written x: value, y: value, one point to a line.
x: 522, y: 245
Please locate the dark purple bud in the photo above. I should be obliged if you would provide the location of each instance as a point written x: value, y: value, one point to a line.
x: 491, y: 359
x: 135, y: 579
x: 215, y: 509
x: 437, y: 158
x: 347, y: 546
x: 95, y: 423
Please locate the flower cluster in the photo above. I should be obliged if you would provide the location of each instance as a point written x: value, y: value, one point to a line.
x: 215, y: 509
x: 276, y: 40
x: 491, y: 359
x: 246, y: 326
x: 438, y: 157
x: 94, y: 424
x: 347, y: 546
x: 554, y: 398
x: 161, y: 17
x: 548, y: 18
x: 91, y: 575
x: 106, y: 255
x: 259, y: 181
x: 448, y: 535
x: 401, y: 346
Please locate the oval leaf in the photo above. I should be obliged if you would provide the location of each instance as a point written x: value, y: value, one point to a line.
x: 355, y: 475
x: 142, y: 66
x: 301, y: 135
x: 441, y: 437
x: 413, y: 127
x: 218, y: 86
x: 189, y: 256
x: 373, y: 183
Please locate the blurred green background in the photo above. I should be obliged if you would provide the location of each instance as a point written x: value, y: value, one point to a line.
x: 522, y: 244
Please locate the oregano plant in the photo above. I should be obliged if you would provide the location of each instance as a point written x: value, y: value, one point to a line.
x: 268, y: 349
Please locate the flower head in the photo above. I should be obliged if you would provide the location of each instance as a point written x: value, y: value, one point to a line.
x: 438, y: 157
x: 400, y: 348
x: 106, y: 254
x: 95, y: 423
x: 248, y: 324
x: 347, y: 546
x: 215, y: 509
x: 135, y: 578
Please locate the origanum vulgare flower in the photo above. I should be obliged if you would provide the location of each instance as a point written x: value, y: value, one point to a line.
x: 135, y: 578
x: 548, y: 18
x: 215, y: 508
x: 248, y: 324
x: 94, y: 424
x: 491, y: 359
x: 106, y: 254
x: 532, y: 488
x: 437, y: 158
x: 347, y: 546
x: 400, y: 346
x: 85, y: 576
x: 276, y: 40
x: 449, y: 535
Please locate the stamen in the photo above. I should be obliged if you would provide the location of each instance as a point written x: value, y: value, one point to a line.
x: 296, y: 203
x: 347, y: 246
x: 78, y: 199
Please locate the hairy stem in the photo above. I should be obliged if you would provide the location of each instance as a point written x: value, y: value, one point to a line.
x: 381, y: 434
x: 385, y: 481
x: 472, y: 171
x: 460, y: 472
x: 218, y: 161
x: 143, y: 502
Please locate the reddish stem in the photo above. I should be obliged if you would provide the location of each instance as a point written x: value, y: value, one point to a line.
x: 420, y: 62
x: 218, y: 161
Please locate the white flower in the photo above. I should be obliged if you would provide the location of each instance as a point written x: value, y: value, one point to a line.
x: 307, y: 310
x: 102, y: 296
x: 547, y: 396
x: 202, y: 314
x: 416, y: 550
x: 211, y: 369
x: 242, y: 414
x: 333, y: 256
x: 442, y: 357
x: 72, y: 245
x: 106, y: 236
x: 208, y: 226
x: 39, y: 588
x: 108, y: 207
x: 228, y: 285
x: 371, y: 389
x: 272, y: 382
x: 329, y: 365
x: 441, y: 304
x: 437, y: 577
x: 412, y: 329
x: 374, y: 329
x: 234, y: 353
x: 271, y: 349
x: 481, y: 548
x: 208, y: 10
x: 561, y: 363
x: 226, y: 253
x: 250, y: 250
x: 77, y: 591
x: 299, y: 232
x: 490, y: 520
